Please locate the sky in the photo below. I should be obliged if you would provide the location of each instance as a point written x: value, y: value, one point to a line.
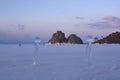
x: 31, y: 18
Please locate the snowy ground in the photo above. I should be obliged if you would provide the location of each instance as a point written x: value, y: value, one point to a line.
x: 65, y: 62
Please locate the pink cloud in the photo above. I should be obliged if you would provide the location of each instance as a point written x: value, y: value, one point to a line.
x: 111, y: 18
x: 113, y: 21
x: 108, y: 22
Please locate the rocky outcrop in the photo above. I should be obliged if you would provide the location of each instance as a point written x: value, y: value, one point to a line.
x: 73, y: 39
x: 58, y: 37
x: 112, y: 38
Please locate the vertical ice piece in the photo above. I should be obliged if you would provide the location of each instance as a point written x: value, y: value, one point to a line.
x: 89, y: 41
x: 37, y: 42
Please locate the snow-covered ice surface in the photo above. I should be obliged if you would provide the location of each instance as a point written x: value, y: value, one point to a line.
x: 60, y: 62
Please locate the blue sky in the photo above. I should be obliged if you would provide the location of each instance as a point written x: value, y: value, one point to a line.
x: 44, y: 17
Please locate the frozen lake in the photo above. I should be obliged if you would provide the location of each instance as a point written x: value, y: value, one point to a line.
x: 60, y: 62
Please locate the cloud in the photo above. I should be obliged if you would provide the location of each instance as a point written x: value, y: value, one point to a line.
x: 18, y: 26
x: 79, y: 21
x: 79, y: 18
x: 100, y: 25
x: 107, y: 22
x: 113, y: 21
x: 77, y: 25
